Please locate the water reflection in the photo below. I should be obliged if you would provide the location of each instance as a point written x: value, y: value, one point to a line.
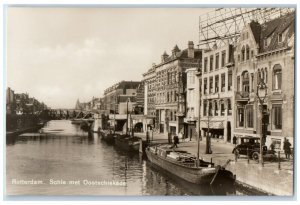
x: 62, y: 150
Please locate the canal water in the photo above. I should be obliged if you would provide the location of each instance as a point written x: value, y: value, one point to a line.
x: 64, y: 160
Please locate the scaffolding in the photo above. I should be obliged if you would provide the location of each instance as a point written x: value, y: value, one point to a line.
x: 225, y: 24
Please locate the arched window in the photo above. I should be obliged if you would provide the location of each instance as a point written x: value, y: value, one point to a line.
x: 277, y: 77
x: 247, y: 52
x: 243, y: 53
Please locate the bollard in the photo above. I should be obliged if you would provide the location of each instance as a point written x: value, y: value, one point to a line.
x: 247, y: 155
x: 279, y: 167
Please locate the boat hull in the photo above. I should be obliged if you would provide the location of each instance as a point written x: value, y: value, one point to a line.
x: 193, y: 175
x: 127, y: 145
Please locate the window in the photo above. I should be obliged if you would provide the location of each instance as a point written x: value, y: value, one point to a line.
x: 211, y: 62
x: 243, y: 53
x: 262, y: 73
x: 245, y: 77
x: 204, y: 108
x: 252, y: 81
x: 247, y: 52
x: 249, y: 114
x: 277, y: 77
x: 211, y: 85
x: 168, y: 97
x: 223, y: 58
x: 266, y: 73
x: 277, y: 117
x: 240, y: 117
x: 222, y: 108
x: 205, y: 65
x: 230, y: 80
x: 239, y: 57
x: 280, y: 38
x: 205, y: 85
x: 216, y: 83
x: 216, y: 108
x: 223, y: 82
x: 229, y: 108
x: 217, y: 61
x: 238, y: 84
x: 252, y: 53
x: 210, y: 108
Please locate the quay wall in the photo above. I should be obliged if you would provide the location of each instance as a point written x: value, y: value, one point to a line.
x: 267, y: 179
x: 21, y: 122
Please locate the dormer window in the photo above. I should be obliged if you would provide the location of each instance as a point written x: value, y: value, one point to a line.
x: 280, y: 38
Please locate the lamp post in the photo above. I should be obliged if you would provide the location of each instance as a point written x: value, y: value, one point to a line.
x: 261, y: 94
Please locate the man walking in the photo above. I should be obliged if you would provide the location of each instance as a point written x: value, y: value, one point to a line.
x: 287, y: 148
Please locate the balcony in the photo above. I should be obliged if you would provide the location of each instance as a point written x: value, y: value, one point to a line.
x: 242, y: 96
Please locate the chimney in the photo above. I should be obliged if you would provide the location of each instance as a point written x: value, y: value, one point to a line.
x: 191, y: 51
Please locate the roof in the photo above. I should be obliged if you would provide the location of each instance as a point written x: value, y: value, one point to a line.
x: 256, y: 29
x: 273, y: 28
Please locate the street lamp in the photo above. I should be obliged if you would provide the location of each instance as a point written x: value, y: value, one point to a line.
x: 261, y: 94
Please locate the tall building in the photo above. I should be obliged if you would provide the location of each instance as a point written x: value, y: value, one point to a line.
x: 165, y: 88
x: 149, y: 79
x: 265, y: 54
x: 192, y: 103
x: 217, y: 93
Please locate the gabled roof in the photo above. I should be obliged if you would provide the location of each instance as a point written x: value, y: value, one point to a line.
x: 275, y: 27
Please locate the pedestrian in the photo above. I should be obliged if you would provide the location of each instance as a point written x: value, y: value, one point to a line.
x: 234, y: 140
x: 175, y: 141
x: 287, y: 148
x: 272, y: 146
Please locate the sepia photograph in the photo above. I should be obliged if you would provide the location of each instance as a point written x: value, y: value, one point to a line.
x: 149, y: 101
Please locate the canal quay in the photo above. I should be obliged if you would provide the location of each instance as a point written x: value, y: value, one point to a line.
x: 65, y: 160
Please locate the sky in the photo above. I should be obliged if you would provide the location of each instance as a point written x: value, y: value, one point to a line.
x: 59, y: 55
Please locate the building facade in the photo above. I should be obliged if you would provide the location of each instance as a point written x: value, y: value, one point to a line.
x: 192, y: 103
x: 167, y: 88
x: 265, y: 54
x: 120, y: 93
x: 149, y: 91
x: 217, y: 93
